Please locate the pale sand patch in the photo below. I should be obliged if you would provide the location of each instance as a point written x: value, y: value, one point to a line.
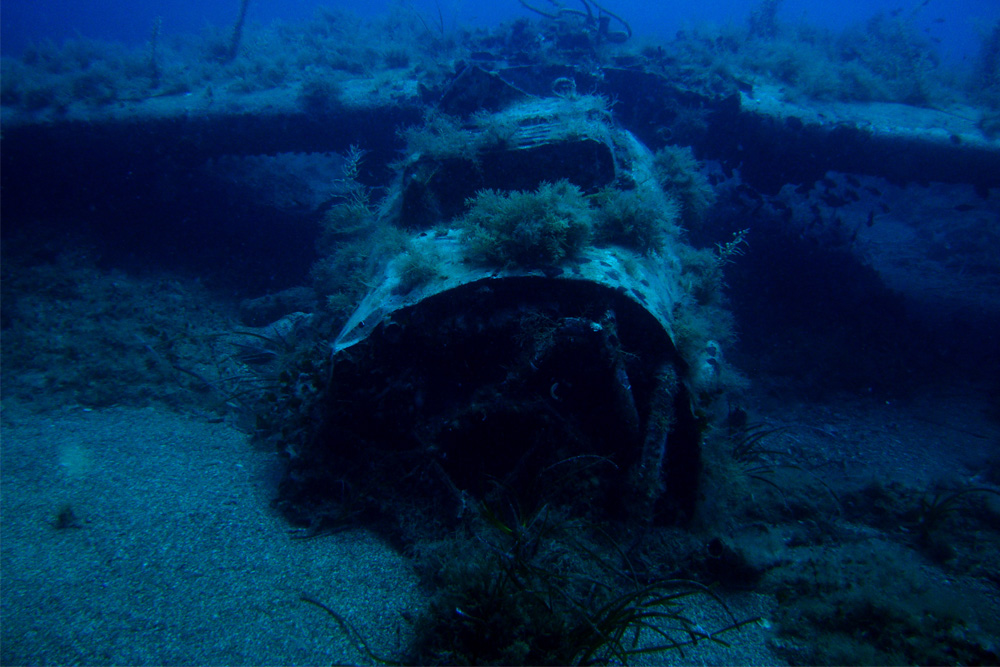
x: 179, y: 558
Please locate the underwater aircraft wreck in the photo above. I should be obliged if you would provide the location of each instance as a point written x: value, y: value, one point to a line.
x: 541, y: 313
x: 463, y: 303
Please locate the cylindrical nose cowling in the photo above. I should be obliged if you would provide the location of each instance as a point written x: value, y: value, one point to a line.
x: 559, y: 383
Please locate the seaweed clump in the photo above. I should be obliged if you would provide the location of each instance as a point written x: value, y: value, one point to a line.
x: 540, y: 588
x: 528, y: 229
x: 628, y: 219
x: 680, y: 176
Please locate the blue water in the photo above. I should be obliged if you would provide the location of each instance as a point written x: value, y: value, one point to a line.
x: 958, y: 24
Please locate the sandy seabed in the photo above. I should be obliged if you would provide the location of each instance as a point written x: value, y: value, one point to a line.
x: 177, y: 557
